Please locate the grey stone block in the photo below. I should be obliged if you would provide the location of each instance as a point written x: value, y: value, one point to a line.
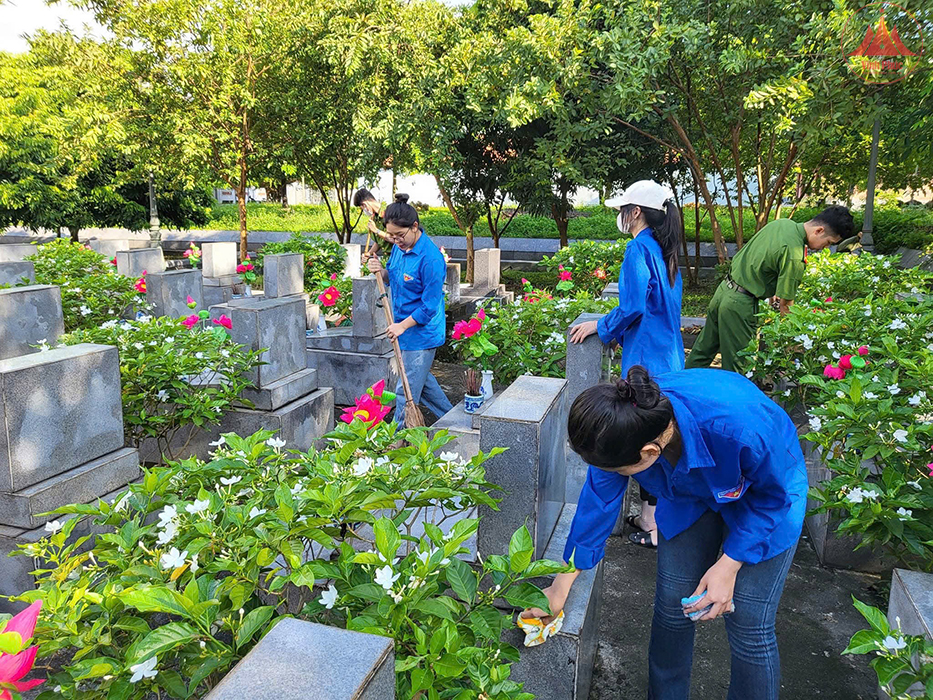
x: 611, y: 291
x: 216, y: 294
x: 285, y: 390
x: 300, y: 423
x: 168, y: 292
x: 459, y: 424
x: 343, y: 340
x: 29, y: 316
x: 300, y: 660
x: 14, y: 273
x: 16, y: 252
x: 486, y: 268
x: 912, y: 601
x: 353, y: 265
x: 274, y: 325
x: 219, y: 259
x: 58, y: 409
x: 225, y: 281
x: 452, y: 283
x: 82, y: 484
x: 529, y: 419
x: 283, y: 274
x: 369, y: 318
x: 136, y: 262
x: 562, y: 667
x: 109, y: 247
x: 833, y: 549
x: 351, y: 374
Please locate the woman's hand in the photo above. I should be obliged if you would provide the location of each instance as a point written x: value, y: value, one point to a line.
x: 718, y: 583
x: 395, y: 330
x: 583, y: 331
x: 374, y: 264
x: 556, y: 594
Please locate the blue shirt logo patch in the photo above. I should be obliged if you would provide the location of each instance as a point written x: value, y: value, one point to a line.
x: 407, y: 277
x: 732, y: 494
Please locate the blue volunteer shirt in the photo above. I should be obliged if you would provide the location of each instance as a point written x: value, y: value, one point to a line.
x: 416, y: 278
x: 741, y: 458
x: 646, y: 323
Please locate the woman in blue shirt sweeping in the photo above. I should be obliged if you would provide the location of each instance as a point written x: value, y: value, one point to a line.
x: 415, y: 272
x: 726, y: 466
x: 646, y: 323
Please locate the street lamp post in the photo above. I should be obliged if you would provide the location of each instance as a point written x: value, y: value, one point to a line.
x: 155, y: 231
x: 868, y: 241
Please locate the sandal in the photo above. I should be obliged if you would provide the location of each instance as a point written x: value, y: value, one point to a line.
x: 642, y: 539
x: 632, y: 521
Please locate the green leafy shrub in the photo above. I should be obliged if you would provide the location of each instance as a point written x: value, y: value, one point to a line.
x: 592, y: 264
x: 325, y: 261
x: 171, y: 377
x: 200, y: 559
x: 860, y: 363
x: 900, y: 661
x: 92, y: 291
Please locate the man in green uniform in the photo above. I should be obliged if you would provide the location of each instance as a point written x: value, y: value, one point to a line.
x: 771, y: 264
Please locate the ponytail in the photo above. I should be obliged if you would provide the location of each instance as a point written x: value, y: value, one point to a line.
x: 609, y: 424
x: 668, y: 232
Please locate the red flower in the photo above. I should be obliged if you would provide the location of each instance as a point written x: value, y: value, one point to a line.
x: 141, y: 284
x: 863, y: 350
x: 473, y: 326
x: 458, y: 330
x: 481, y: 314
x: 829, y: 299
x: 333, y: 277
x: 114, y: 261
x: 368, y: 408
x: 329, y: 296
x: 565, y: 275
x: 845, y: 362
x: 831, y: 372
x: 14, y: 666
x: 190, y: 321
x: 224, y: 321
x: 524, y: 281
x: 599, y: 273
x: 240, y: 269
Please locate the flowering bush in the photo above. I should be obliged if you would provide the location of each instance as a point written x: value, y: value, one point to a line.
x: 247, y: 271
x: 900, y: 660
x: 200, y: 559
x: 193, y: 254
x: 469, y: 338
x: 371, y: 407
x: 592, y: 263
x: 16, y: 659
x: 861, y: 367
x: 92, y: 291
x: 531, y: 334
x: 174, y: 373
x: 325, y: 261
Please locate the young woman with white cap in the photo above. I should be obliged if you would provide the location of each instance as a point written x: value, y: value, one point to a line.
x: 646, y: 323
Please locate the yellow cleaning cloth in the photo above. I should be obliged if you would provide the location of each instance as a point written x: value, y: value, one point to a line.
x: 536, y: 632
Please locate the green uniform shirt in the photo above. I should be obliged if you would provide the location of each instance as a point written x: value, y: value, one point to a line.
x: 772, y: 262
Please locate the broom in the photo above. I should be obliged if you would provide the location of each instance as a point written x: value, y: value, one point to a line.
x: 413, y: 416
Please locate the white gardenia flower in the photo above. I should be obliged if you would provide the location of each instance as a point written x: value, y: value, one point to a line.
x: 231, y: 480
x: 856, y: 495
x: 85, y: 311
x: 173, y: 558
x: 383, y: 461
x: 423, y: 557
x: 53, y: 526
x: 749, y: 374
x: 329, y: 597
x: 146, y: 669
x: 385, y: 578
x: 815, y: 424
x: 916, y: 399
x: 109, y: 324
x: 256, y: 512
x: 194, y: 564
x: 915, y: 484
x: 162, y: 395
x: 841, y: 394
x: 275, y: 443
x: 870, y: 395
x: 892, y: 644
x: 897, y: 324
x: 831, y: 345
x: 362, y: 466
x: 198, y: 506
x: 450, y: 457
x: 904, y: 513
x: 138, y: 346
x: 894, y: 390
x: 168, y: 534
x: 170, y: 339
x: 900, y: 435
x: 219, y: 441
x: 168, y: 515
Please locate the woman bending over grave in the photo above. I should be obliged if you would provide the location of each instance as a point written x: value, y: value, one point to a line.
x: 726, y: 466
x: 416, y: 272
x: 646, y: 323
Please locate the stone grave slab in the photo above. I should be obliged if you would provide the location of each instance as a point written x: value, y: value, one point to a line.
x: 29, y: 316
x: 283, y: 274
x: 14, y: 273
x: 300, y: 660
x: 912, y: 601
x: 351, y: 374
x: 135, y: 262
x: 219, y: 259
x: 368, y: 316
x: 61, y: 408
x: 486, y: 268
x: 16, y: 252
x: 168, y: 292
x: 285, y: 390
x: 343, y: 340
x: 109, y: 247
x: 452, y: 283
x: 353, y: 265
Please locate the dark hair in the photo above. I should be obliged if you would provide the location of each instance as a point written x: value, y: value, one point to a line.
x: 362, y: 195
x: 401, y: 213
x: 609, y: 424
x: 838, y: 220
x: 668, y: 232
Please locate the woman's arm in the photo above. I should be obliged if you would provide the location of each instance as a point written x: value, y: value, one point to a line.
x: 634, y: 278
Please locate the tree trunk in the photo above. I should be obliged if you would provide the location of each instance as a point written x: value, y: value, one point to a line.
x: 241, y: 208
x: 493, y: 226
x: 469, y: 254
x: 394, y: 184
x: 559, y: 214
x: 467, y: 230
x: 74, y: 231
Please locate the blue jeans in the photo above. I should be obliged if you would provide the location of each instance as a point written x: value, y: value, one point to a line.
x: 682, y: 561
x: 424, y: 387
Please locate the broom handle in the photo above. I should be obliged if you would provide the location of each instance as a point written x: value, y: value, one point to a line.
x: 395, y: 345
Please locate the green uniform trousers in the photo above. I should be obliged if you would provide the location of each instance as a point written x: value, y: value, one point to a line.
x: 730, y: 326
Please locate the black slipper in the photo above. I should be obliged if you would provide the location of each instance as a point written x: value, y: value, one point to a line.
x: 632, y: 522
x: 642, y: 539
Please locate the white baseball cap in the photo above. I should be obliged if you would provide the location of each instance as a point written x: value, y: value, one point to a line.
x: 644, y: 193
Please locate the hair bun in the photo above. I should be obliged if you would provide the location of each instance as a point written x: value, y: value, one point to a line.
x: 626, y: 391
x: 402, y: 198
x: 645, y: 393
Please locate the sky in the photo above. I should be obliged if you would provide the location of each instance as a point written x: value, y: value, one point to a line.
x: 20, y: 17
